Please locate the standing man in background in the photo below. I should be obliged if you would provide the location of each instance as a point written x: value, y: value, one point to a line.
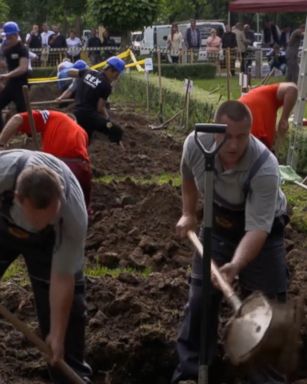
x: 17, y: 61
x: 192, y: 39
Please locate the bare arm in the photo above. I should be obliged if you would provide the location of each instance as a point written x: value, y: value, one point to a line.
x: 61, y: 298
x: 188, y: 219
x: 247, y: 250
x: 67, y: 94
x: 10, y: 129
x: 288, y: 93
x: 20, y: 70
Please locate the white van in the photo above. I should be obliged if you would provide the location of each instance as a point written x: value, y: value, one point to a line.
x: 156, y: 36
x: 136, y: 38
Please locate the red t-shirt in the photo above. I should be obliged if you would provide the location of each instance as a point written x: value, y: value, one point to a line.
x: 61, y: 136
x: 263, y: 103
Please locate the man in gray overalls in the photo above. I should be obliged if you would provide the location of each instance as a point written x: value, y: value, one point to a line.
x: 249, y: 215
x: 43, y: 217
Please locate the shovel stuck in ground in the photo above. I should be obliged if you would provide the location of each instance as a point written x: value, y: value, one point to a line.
x: 260, y: 332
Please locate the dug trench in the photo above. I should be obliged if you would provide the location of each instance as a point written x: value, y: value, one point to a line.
x: 135, y: 307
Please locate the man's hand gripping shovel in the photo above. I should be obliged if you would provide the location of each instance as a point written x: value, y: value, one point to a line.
x: 41, y: 346
x: 259, y: 332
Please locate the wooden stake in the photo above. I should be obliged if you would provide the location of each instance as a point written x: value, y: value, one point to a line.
x: 25, y: 90
x: 228, y: 69
x: 160, y: 87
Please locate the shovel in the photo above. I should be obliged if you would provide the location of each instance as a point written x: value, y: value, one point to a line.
x: 259, y: 332
x: 41, y: 345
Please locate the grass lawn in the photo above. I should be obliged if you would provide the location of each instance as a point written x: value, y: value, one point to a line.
x: 219, y: 85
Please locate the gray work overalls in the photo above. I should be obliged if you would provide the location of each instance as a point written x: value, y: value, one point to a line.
x: 37, y: 250
x: 267, y: 273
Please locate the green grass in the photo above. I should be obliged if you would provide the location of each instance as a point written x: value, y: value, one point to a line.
x: 16, y: 269
x: 100, y: 271
x: 219, y: 85
x: 166, y: 178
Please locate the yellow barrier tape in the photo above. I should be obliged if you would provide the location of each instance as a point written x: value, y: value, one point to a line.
x: 131, y: 65
x: 122, y: 55
x: 138, y: 67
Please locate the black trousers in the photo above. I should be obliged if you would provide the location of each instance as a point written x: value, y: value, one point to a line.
x: 267, y: 273
x: 12, y: 92
x: 37, y: 250
x: 91, y: 121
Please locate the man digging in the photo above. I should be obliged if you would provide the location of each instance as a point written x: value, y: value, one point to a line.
x: 43, y: 217
x: 249, y: 215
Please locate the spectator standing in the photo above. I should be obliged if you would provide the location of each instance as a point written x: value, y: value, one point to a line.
x: 214, y: 45
x: 242, y: 43
x: 45, y: 35
x: 94, y: 42
x: 74, y: 45
x: 270, y: 34
x: 229, y: 41
x: 292, y: 54
x: 34, y: 38
x: 108, y: 44
x: 175, y: 43
x: 17, y: 60
x: 192, y: 39
x: 250, y: 37
x: 285, y: 37
x: 56, y: 41
x: 249, y: 34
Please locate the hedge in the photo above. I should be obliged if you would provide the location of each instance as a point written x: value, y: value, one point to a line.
x: 43, y: 72
x: 188, y: 71
x: 132, y: 87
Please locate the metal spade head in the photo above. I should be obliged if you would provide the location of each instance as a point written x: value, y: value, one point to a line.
x: 247, y: 328
x: 262, y: 332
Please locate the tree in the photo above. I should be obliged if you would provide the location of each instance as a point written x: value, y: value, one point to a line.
x: 4, y: 10
x: 122, y: 16
x: 176, y: 10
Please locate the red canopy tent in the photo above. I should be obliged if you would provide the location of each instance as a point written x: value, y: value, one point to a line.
x: 264, y: 6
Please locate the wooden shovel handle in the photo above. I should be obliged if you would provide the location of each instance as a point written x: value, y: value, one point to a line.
x: 25, y: 90
x: 41, y: 345
x: 227, y: 290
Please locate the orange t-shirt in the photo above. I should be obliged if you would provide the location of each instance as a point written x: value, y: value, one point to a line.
x: 263, y: 103
x: 61, y: 136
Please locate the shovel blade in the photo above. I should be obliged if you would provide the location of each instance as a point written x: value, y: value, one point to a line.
x: 262, y: 333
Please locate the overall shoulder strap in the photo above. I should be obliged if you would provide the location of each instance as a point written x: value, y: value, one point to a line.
x: 254, y: 169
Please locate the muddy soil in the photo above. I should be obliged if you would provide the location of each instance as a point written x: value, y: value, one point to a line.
x: 133, y: 318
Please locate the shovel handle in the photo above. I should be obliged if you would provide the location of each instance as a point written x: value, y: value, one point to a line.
x: 227, y: 290
x: 40, y: 344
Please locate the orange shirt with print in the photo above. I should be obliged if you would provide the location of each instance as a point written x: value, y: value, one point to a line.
x: 263, y: 103
x: 60, y: 135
